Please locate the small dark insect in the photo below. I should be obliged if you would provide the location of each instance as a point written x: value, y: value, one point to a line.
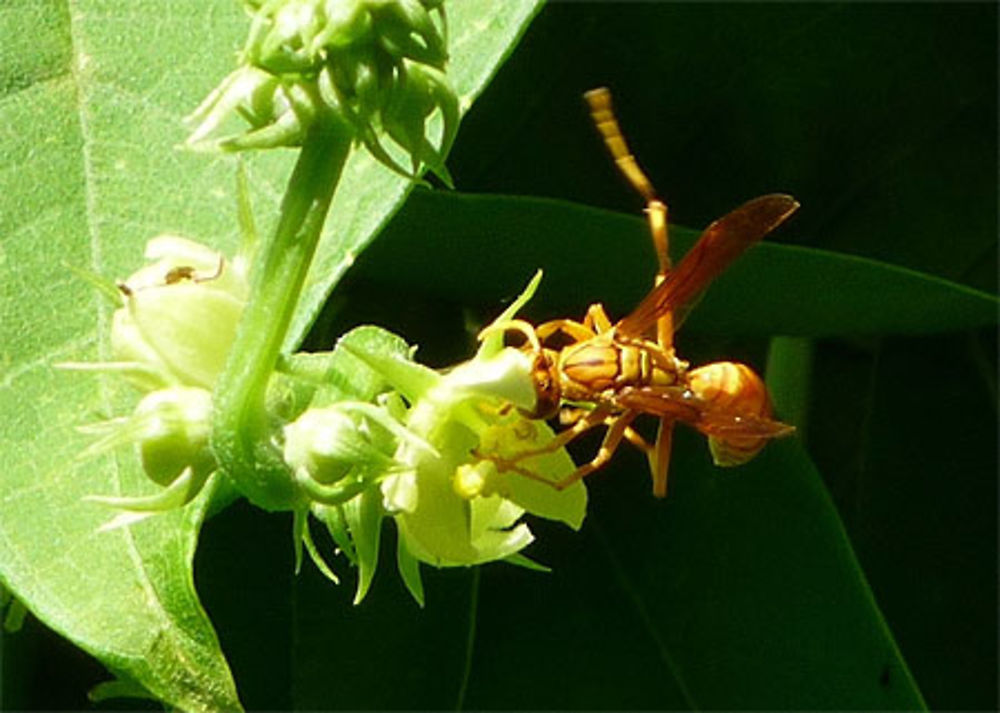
x: 175, y: 275
x: 189, y: 273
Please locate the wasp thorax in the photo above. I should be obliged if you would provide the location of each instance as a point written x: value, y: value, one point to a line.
x: 733, y: 388
x: 591, y: 365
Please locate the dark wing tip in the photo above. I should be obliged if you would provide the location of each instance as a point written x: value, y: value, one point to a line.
x: 771, y: 210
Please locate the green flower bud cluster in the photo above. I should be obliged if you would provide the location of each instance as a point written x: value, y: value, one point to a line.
x: 414, y: 453
x: 374, y: 64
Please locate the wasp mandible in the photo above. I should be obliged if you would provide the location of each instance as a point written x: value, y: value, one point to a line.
x: 611, y: 373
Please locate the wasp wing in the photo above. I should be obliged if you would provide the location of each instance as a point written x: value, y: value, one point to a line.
x: 681, y: 404
x: 722, y: 242
x: 675, y: 402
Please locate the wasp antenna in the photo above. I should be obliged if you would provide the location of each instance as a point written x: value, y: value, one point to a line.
x: 603, y: 115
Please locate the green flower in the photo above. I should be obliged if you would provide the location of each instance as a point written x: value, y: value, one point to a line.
x: 337, y: 451
x: 453, y: 507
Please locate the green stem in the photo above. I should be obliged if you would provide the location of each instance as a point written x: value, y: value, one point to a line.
x: 241, y: 437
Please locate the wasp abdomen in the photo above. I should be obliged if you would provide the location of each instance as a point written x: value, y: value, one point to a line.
x: 733, y: 388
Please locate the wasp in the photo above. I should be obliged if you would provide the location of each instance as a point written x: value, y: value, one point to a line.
x: 611, y: 373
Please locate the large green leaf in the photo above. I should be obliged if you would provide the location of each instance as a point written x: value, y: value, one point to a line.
x: 725, y: 102
x: 773, y: 289
x: 92, y: 100
x: 881, y: 119
x: 914, y: 473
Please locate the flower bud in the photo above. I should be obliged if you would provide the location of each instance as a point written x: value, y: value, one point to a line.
x: 175, y: 424
x: 179, y: 315
x: 327, y: 443
x: 418, y: 93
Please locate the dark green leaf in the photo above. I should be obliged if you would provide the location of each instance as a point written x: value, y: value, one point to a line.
x: 481, y: 242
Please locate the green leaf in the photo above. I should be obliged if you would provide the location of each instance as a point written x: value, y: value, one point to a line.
x: 773, y: 289
x: 91, y: 101
x: 830, y: 103
x: 912, y: 463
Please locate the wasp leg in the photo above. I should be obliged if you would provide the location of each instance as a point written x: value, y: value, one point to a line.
x: 659, y: 457
x: 618, y: 427
x: 598, y: 417
x: 633, y: 437
x: 597, y: 319
x: 656, y: 216
x: 569, y: 327
x: 603, y: 115
x: 617, y: 430
x: 656, y: 213
x: 568, y: 416
x: 594, y: 322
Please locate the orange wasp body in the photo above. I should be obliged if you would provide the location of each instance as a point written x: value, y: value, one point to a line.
x: 612, y: 373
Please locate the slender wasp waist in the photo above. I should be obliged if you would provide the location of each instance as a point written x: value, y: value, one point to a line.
x: 609, y: 363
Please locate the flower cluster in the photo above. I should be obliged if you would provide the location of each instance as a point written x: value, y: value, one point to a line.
x: 366, y: 432
x: 360, y: 433
x: 452, y: 506
x: 374, y: 64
